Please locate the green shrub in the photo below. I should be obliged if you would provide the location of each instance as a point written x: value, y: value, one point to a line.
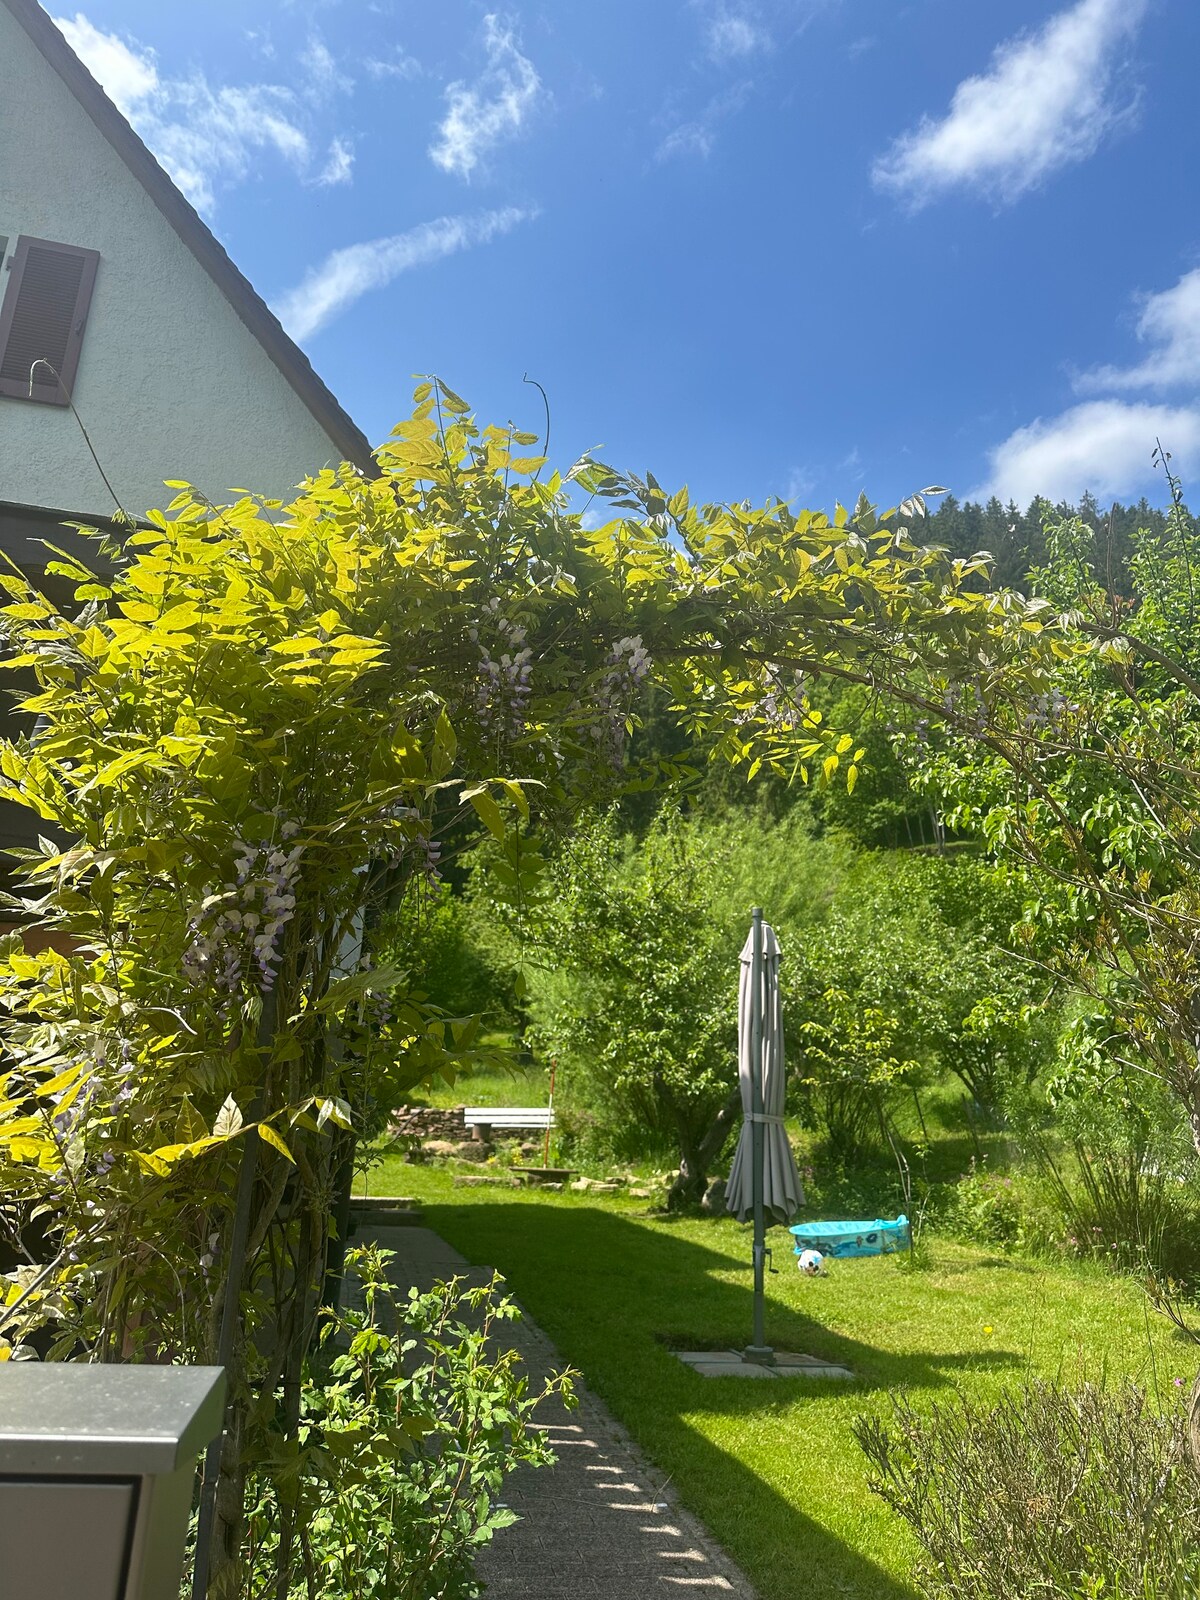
x: 410, y: 1419
x: 1049, y: 1492
x: 986, y: 1207
x: 637, y: 994
x: 1013, y: 1210
x: 1116, y: 1207
x: 905, y: 978
x: 1116, y: 1153
x: 449, y: 960
x: 868, y: 1188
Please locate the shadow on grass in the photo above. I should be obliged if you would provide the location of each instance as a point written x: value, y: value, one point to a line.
x: 614, y: 1295
x: 657, y: 1283
x: 785, y: 1553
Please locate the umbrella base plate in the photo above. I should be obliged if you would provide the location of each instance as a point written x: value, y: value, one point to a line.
x: 760, y: 1355
x: 737, y: 1364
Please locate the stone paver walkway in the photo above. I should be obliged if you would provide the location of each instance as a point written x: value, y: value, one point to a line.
x: 600, y: 1525
x: 732, y: 1364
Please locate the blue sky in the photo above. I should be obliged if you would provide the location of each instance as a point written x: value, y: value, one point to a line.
x: 794, y: 247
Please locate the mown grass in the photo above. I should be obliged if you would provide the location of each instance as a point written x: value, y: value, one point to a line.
x: 771, y: 1467
x: 508, y: 1082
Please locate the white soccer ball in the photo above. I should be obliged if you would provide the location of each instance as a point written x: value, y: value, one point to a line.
x: 811, y: 1263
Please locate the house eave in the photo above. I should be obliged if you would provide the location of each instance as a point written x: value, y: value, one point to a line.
x: 350, y: 441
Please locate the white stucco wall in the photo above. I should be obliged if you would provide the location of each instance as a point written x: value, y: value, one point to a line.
x: 171, y: 383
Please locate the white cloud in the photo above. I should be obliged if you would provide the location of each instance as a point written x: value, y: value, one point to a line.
x: 322, y: 73
x: 734, y: 31
x: 688, y: 139
x: 800, y: 484
x: 1048, y: 100
x: 339, y: 165
x: 206, y: 136
x: 698, y: 136
x: 494, y: 109
x: 261, y: 40
x: 128, y: 76
x: 1170, y: 324
x: 209, y: 135
x: 1103, y: 446
x: 401, y: 65
x: 346, y: 275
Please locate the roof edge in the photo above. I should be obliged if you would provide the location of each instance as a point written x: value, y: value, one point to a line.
x: 104, y: 521
x: 195, y: 233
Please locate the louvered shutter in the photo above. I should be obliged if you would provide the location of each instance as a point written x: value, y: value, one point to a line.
x: 42, y: 318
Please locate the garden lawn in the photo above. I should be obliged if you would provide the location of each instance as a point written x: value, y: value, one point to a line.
x: 506, y: 1082
x: 771, y: 1467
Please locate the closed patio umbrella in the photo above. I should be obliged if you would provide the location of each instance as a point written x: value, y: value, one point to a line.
x: 763, y: 1179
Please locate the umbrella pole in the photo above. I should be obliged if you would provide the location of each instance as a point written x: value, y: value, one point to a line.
x: 550, y: 1108
x: 759, y: 1350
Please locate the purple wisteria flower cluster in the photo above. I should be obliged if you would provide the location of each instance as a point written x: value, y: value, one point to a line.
x: 966, y: 709
x: 502, y: 693
x: 125, y: 1073
x: 209, y: 1258
x: 419, y: 844
x: 1045, y: 715
x: 68, y: 1119
x: 236, y: 932
x: 85, y: 1161
x: 782, y: 705
x: 1049, y: 712
x: 627, y: 667
x: 377, y: 1009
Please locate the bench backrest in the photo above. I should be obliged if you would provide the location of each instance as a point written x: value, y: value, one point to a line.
x: 509, y: 1116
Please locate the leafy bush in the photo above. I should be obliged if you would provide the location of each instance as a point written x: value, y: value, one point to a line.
x: 409, y: 1423
x: 868, y: 1188
x: 634, y: 987
x: 891, y: 973
x: 986, y: 1207
x: 1013, y: 1210
x: 1073, y: 1203
x: 641, y: 1003
x: 1117, y: 1157
x: 907, y: 976
x: 1049, y: 1492
x: 884, y: 810
x: 1116, y: 1208
x: 449, y: 960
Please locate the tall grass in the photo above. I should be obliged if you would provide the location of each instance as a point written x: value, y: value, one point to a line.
x: 1048, y: 1491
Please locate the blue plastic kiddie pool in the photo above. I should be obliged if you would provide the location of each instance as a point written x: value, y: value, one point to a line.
x: 843, y: 1239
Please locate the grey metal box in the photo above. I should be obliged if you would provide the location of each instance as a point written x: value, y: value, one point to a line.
x: 96, y: 1472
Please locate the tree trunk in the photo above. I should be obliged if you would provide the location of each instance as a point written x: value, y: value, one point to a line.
x: 1193, y: 1426
x: 230, y: 1513
x: 697, y: 1155
x: 1193, y: 1113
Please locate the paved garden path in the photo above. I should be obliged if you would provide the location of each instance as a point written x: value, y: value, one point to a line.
x: 599, y: 1525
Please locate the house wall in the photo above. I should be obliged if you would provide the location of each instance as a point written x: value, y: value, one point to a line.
x: 171, y: 383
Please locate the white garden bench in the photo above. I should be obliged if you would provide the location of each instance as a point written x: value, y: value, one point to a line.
x: 483, y: 1119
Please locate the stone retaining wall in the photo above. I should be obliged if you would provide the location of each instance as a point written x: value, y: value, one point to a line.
x: 428, y: 1122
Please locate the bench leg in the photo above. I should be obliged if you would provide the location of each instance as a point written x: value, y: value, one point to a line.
x: 481, y: 1132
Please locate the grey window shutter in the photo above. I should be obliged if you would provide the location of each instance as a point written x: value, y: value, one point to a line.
x: 43, y: 317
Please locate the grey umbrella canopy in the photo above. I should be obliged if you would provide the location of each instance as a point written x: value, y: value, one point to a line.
x: 764, y: 1176
x: 760, y: 1021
